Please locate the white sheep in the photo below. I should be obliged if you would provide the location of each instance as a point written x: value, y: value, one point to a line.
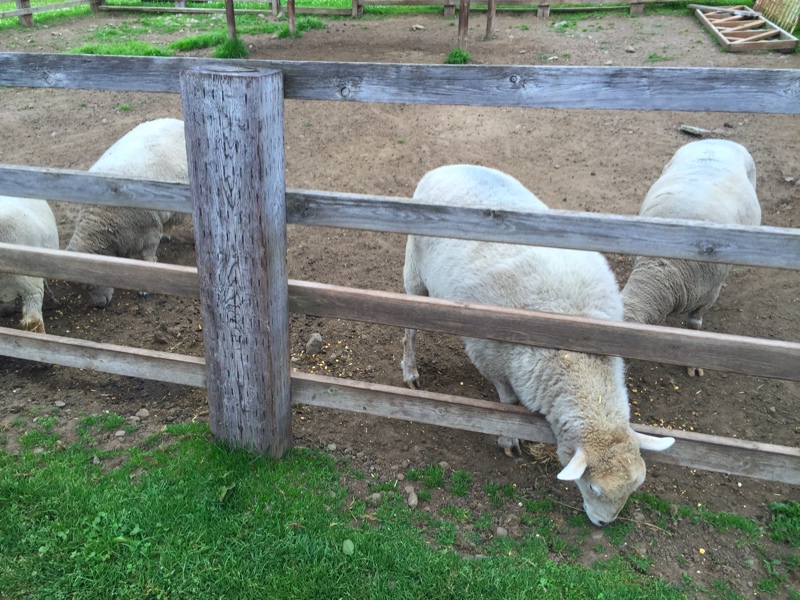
x: 27, y: 223
x: 155, y: 150
x: 583, y: 396
x: 709, y: 180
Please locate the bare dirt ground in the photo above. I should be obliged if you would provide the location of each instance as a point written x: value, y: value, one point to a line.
x: 601, y: 161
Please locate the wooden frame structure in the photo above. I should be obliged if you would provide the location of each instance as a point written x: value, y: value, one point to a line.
x: 741, y: 29
x: 744, y: 90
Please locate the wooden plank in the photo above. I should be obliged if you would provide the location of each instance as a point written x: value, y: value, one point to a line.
x: 748, y: 25
x: 106, y: 358
x: 304, y: 10
x: 588, y: 231
x: 699, y: 451
x: 710, y: 242
x: 721, y: 39
x: 121, y: 273
x: 745, y: 35
x: 693, y: 450
x: 751, y: 356
x: 764, y: 45
x: 753, y: 36
x: 625, y: 88
x: 68, y: 185
x: 561, y: 229
x: 234, y: 140
x: 38, y: 9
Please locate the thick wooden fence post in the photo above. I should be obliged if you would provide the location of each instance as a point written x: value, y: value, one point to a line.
x: 234, y: 139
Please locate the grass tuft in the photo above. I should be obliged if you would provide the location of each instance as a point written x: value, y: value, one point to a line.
x: 785, y: 525
x: 457, y: 56
x: 131, y: 48
x: 230, y: 49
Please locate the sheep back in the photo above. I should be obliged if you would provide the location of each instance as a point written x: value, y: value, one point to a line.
x: 708, y: 180
x: 156, y: 151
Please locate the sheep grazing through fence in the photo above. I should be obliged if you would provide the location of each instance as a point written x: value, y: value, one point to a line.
x: 28, y: 223
x: 156, y: 151
x: 708, y: 180
x: 583, y: 396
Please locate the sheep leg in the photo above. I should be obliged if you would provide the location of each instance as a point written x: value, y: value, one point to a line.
x: 32, y: 311
x: 694, y: 320
x: 149, y: 255
x: 409, y: 362
x: 413, y: 284
x: 507, y: 396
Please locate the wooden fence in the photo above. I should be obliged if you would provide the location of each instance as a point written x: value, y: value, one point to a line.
x: 252, y: 406
x: 25, y: 11
x: 542, y: 7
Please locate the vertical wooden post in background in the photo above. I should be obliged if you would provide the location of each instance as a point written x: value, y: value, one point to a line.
x: 25, y: 20
x: 96, y: 4
x: 290, y: 14
x: 463, y: 23
x: 490, y: 10
x: 230, y: 17
x: 234, y: 139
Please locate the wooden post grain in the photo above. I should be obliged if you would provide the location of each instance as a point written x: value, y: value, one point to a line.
x: 463, y: 23
x: 234, y: 140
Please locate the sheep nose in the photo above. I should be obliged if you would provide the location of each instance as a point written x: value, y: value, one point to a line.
x: 602, y: 523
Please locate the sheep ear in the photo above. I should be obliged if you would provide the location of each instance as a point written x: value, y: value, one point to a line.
x: 575, y: 468
x: 648, y: 442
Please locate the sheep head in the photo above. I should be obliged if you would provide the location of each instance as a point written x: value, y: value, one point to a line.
x: 607, y: 476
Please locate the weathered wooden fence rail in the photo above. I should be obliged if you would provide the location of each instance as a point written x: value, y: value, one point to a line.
x: 704, y: 241
x: 751, y: 356
x: 25, y: 11
x: 754, y: 90
x: 614, y: 88
x: 696, y: 450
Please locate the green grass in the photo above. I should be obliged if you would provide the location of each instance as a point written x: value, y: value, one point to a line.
x: 460, y: 483
x: 202, y: 40
x: 129, y: 48
x: 457, y: 56
x: 785, y: 525
x: 186, y: 518
x: 102, y: 422
x: 230, y: 49
x: 656, y: 57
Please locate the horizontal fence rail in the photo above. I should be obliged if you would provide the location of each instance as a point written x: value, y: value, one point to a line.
x: 750, y: 356
x: 39, y: 9
x: 624, y: 88
x: 709, y: 242
x: 700, y: 451
x: 300, y: 10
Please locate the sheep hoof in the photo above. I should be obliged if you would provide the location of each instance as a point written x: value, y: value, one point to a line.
x: 33, y: 325
x: 692, y: 371
x: 509, y: 445
x: 412, y: 383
